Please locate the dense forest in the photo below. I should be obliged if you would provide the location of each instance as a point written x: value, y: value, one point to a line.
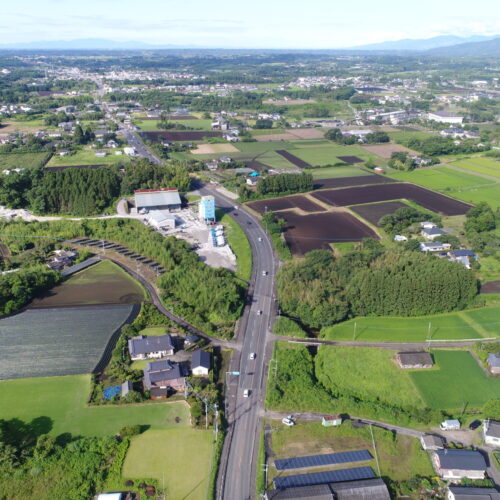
x: 321, y: 290
x: 211, y: 299
x: 285, y: 183
x: 85, y: 191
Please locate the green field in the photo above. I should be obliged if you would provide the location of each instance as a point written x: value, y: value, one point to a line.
x: 87, y: 157
x: 481, y: 165
x: 152, y: 125
x: 474, y: 324
x: 180, y: 457
x: 400, y: 457
x: 442, y: 179
x: 327, y: 155
x: 458, y: 382
x: 22, y: 160
x: 336, y: 172
x: 362, y: 371
x: 239, y: 245
x: 402, y: 136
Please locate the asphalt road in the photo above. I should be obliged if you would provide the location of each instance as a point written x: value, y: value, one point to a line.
x: 236, y: 480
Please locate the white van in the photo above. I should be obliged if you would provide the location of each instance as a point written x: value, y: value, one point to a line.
x: 450, y: 425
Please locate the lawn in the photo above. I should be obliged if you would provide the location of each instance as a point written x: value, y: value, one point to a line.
x: 327, y: 155
x: 102, y: 283
x: 364, y: 372
x: 336, y: 172
x: 402, y: 137
x: 152, y: 125
x: 239, y: 245
x: 490, y: 268
x: 457, y: 383
x: 400, y: 457
x: 448, y: 326
x: 490, y: 194
x: 181, y: 457
x: 22, y: 160
x: 481, y: 165
x: 87, y: 157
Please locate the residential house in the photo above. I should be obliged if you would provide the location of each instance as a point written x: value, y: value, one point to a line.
x: 471, y: 493
x: 400, y: 237
x: 453, y: 464
x: 148, y: 347
x: 414, y: 360
x: 112, y: 144
x: 191, y: 339
x: 427, y: 224
x: 444, y: 117
x: 434, y: 246
x: 432, y: 233
x: 432, y: 442
x: 161, y: 377
x: 252, y: 181
x: 212, y: 164
x: 493, y: 363
x: 200, y: 363
x: 491, y: 433
x: 225, y: 159
x: 100, y: 133
x: 463, y: 257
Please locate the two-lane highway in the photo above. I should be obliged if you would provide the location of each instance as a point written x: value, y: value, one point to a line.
x: 236, y: 479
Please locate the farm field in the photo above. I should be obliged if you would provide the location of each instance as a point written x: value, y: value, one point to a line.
x: 87, y: 157
x: 288, y: 202
x: 457, y: 382
x: 481, y: 165
x: 22, y: 160
x: 448, y: 326
x: 11, y: 126
x: 152, y: 125
x: 304, y: 233
x: 338, y: 172
x: 403, y: 136
x: 213, y: 149
x: 292, y: 158
x: 441, y: 179
x: 58, y: 341
x: 102, y: 283
x: 185, y: 469
x: 400, y: 457
x: 385, y: 150
x: 179, y: 135
x: 373, y: 212
x: 328, y: 154
x: 490, y: 194
x: 371, y: 194
x: 367, y: 373
x: 361, y: 180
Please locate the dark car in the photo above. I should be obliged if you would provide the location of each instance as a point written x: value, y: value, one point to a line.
x: 474, y: 424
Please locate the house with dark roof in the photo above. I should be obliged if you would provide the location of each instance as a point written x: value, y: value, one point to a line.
x: 432, y: 233
x: 434, y: 246
x: 463, y: 257
x: 414, y: 360
x: 493, y: 363
x: 457, y: 464
x: 200, y: 363
x: 163, y: 376
x: 150, y: 347
x: 471, y: 493
x: 491, y: 433
x: 365, y: 489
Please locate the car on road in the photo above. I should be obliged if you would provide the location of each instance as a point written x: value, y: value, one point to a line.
x: 264, y: 273
x: 260, y: 239
x: 253, y: 355
x: 246, y: 393
x: 288, y: 421
x: 236, y: 207
x: 259, y: 312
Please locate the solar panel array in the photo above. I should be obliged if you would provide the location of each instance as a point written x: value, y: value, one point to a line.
x: 332, y: 476
x: 321, y: 460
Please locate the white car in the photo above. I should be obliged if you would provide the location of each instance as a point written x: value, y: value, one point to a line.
x: 246, y: 393
x: 288, y: 421
x: 264, y: 273
x: 259, y: 312
x: 260, y: 239
x: 252, y: 355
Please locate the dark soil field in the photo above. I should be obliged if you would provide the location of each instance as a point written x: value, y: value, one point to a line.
x: 293, y: 159
x: 312, y: 232
x: 373, y: 212
x: 350, y: 159
x: 256, y: 165
x: 103, y: 283
x: 351, y: 181
x: 179, y: 136
x: 491, y: 287
x: 385, y: 192
x: 277, y: 204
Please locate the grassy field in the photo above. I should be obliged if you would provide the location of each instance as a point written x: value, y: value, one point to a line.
x: 152, y: 125
x: 87, y: 157
x: 402, y: 137
x: 481, y: 165
x: 180, y: 457
x: 325, y: 155
x: 363, y: 371
x: 490, y: 194
x: 11, y: 126
x: 458, y: 382
x: 287, y: 327
x: 442, y: 179
x: 22, y: 160
x: 400, y: 457
x: 473, y: 324
x: 490, y: 268
x: 336, y: 172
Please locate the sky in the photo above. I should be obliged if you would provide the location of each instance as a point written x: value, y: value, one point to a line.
x: 246, y: 24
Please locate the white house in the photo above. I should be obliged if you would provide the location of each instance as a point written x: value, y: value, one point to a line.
x: 453, y: 464
x: 491, y: 433
x: 432, y: 233
x: 200, y: 363
x: 434, y: 246
x: 469, y: 493
x: 150, y: 347
x: 130, y: 151
x: 444, y: 117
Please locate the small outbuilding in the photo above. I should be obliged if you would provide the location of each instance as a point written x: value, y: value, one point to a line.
x: 331, y: 421
x: 491, y: 433
x: 493, y: 363
x: 200, y: 363
x: 432, y: 442
x: 414, y: 360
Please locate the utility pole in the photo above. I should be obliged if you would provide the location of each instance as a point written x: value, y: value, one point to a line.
x: 216, y: 421
x: 354, y: 332
x: 429, y: 336
x: 266, y: 467
x: 206, y: 416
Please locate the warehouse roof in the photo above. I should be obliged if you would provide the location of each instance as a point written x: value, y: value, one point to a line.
x: 156, y: 197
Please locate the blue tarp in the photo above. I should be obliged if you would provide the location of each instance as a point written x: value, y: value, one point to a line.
x: 111, y: 392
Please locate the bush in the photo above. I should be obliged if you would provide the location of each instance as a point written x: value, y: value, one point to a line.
x: 130, y: 430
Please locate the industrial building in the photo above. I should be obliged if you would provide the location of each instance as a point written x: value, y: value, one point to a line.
x: 207, y: 208
x: 157, y: 199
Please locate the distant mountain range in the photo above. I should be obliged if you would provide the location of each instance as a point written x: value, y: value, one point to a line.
x: 445, y: 45
x: 423, y: 43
